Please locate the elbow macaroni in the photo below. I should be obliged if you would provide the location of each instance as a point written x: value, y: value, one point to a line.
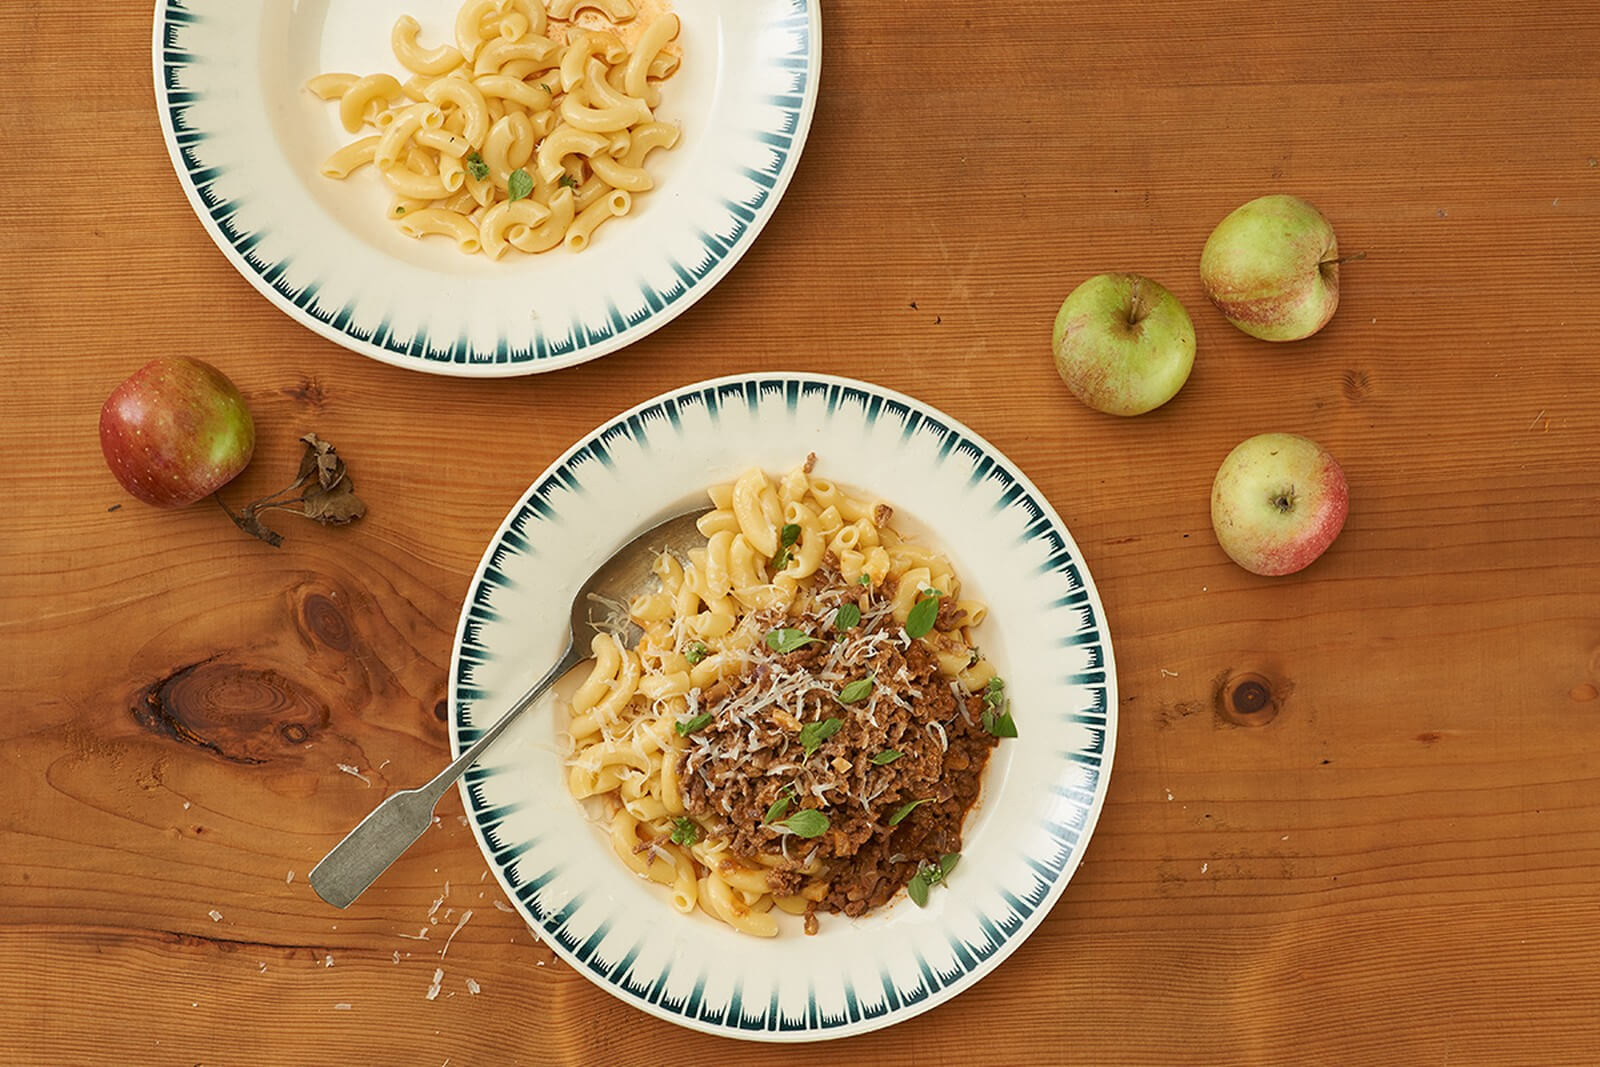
x: 527, y: 108
x: 698, y: 627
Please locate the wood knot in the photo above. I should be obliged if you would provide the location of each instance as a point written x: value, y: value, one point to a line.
x: 1582, y: 694
x: 1357, y: 384
x: 229, y: 710
x: 324, y: 621
x: 309, y: 392
x: 1248, y: 700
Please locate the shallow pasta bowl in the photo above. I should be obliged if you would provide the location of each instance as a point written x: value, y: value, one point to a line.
x: 1045, y: 632
x: 248, y: 141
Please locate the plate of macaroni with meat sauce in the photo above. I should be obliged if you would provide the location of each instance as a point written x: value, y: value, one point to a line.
x: 485, y: 187
x: 805, y: 720
x: 827, y: 767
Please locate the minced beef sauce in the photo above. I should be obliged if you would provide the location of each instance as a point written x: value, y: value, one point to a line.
x: 737, y: 766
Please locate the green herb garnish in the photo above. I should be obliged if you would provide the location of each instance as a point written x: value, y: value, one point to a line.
x: 787, y: 639
x: 856, y: 690
x: 520, y: 184
x: 568, y: 180
x: 812, y: 734
x: 847, y: 617
x: 476, y: 166
x: 401, y: 210
x: 923, y: 614
x: 997, y: 710
x: 906, y: 809
x: 929, y: 875
x: 685, y: 831
x: 886, y: 757
x: 786, y: 539
x: 696, y: 652
x: 865, y: 579
x: 776, y: 810
x: 806, y: 823
x: 547, y: 88
x: 689, y: 726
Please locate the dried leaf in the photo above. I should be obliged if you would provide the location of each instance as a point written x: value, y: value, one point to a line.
x: 330, y: 468
x: 334, y: 506
x: 330, y: 499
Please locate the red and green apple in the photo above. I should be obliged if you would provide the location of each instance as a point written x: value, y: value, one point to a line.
x: 1278, y: 502
x: 1123, y: 344
x: 1272, y: 268
x: 176, y: 431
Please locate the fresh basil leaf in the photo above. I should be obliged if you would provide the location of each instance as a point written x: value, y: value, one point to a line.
x: 923, y: 615
x: 806, y: 823
x: 476, y: 166
x: 788, y: 639
x: 886, y: 757
x: 906, y: 809
x: 520, y: 184
x: 789, y: 534
x: 685, y: 831
x: 999, y: 723
x: 780, y: 561
x: 917, y: 890
x: 777, y: 808
x: 846, y: 617
x: 689, y: 726
x: 948, y: 861
x: 856, y: 690
x: 994, y: 692
x: 812, y: 734
x: 696, y: 652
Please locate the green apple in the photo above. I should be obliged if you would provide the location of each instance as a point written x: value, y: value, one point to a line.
x: 1278, y: 502
x: 1272, y: 268
x: 1123, y: 344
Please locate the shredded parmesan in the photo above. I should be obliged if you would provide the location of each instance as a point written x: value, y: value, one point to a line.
x: 355, y: 772
x: 459, y: 924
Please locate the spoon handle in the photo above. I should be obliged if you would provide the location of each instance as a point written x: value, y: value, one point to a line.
x: 391, y: 828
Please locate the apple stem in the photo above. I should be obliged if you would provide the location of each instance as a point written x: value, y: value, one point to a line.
x: 1351, y: 258
x: 248, y: 522
x: 1135, y: 310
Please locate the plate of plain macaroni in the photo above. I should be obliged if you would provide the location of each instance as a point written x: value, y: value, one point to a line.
x: 485, y: 187
x: 834, y: 759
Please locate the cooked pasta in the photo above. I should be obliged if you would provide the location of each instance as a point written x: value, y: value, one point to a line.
x: 804, y: 721
x: 532, y: 129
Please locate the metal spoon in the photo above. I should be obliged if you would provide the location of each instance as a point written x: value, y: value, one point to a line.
x: 379, y: 839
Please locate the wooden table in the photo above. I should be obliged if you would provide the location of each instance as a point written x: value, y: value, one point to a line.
x: 1399, y: 868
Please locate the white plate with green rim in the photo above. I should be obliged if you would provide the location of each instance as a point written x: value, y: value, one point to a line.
x: 1042, y: 793
x: 246, y: 139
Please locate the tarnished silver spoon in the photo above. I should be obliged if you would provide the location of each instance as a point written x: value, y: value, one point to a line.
x: 379, y: 839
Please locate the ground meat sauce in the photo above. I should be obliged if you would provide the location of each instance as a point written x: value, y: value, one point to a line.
x: 750, y: 757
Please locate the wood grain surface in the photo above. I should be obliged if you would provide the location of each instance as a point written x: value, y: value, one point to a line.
x: 1401, y: 867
